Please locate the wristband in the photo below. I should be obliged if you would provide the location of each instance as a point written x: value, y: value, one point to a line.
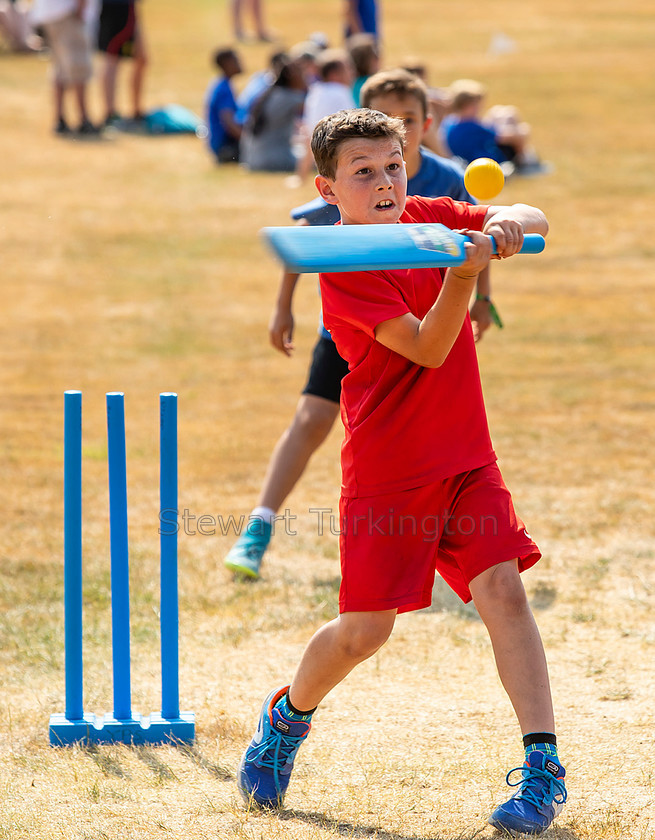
x: 495, y: 317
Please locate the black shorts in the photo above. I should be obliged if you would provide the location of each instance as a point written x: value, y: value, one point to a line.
x: 117, y: 29
x: 326, y: 371
x: 228, y: 153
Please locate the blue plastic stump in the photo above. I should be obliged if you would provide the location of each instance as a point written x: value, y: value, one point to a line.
x: 122, y: 726
x: 73, y: 552
x: 182, y: 724
x: 120, y: 562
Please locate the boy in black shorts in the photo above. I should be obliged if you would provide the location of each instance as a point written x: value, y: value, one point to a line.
x: 400, y: 94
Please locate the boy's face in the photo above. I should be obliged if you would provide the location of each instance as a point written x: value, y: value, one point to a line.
x: 232, y: 66
x: 344, y: 73
x: 409, y: 110
x: 370, y: 184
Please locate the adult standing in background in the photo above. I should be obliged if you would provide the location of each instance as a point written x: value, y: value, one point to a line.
x: 120, y: 36
x: 362, y: 16
x: 255, y: 7
x: 64, y: 23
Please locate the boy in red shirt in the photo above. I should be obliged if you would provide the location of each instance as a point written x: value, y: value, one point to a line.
x: 416, y: 452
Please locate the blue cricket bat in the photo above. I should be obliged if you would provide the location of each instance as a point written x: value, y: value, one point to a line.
x: 373, y: 247
x: 312, y: 206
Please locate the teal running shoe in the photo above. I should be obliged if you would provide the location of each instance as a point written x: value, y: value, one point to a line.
x: 245, y: 556
x: 265, y: 768
x: 539, y: 799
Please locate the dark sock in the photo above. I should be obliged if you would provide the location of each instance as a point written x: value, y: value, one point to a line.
x: 544, y: 742
x: 289, y: 711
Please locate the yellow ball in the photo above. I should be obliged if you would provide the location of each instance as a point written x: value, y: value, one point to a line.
x: 484, y: 178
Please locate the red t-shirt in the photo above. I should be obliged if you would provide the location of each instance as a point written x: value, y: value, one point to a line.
x: 406, y: 425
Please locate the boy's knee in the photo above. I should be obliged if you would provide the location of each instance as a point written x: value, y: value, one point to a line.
x: 502, y: 586
x: 314, y: 418
x: 361, y: 639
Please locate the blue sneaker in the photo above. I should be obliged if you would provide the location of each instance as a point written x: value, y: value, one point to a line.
x: 265, y: 768
x: 245, y: 556
x: 539, y: 799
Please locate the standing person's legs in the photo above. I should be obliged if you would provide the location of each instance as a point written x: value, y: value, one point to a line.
x: 79, y: 47
x: 315, y: 414
x: 58, y: 89
x: 482, y: 532
x: 236, y: 7
x: 258, y: 18
x: 116, y: 36
x: 109, y: 76
x: 59, y: 74
x: 482, y: 537
x: 139, y: 66
x: 501, y: 601
x: 80, y: 97
x: 257, y: 13
x: 312, y: 422
x: 332, y: 653
x: 71, y: 66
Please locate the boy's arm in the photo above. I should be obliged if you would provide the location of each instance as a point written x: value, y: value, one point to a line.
x: 228, y: 120
x: 531, y: 220
x: 428, y: 342
x: 280, y: 328
x: 480, y: 311
x: 508, y: 224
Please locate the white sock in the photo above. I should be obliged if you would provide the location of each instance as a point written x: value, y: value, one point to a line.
x: 265, y: 513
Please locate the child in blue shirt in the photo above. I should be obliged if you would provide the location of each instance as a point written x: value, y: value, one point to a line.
x: 221, y: 108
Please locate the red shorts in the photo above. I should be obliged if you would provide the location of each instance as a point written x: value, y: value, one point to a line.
x: 392, y: 545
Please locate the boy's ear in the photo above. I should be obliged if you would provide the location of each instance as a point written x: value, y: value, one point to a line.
x: 427, y: 123
x: 324, y: 187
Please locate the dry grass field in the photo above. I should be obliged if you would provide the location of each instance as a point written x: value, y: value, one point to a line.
x: 134, y: 264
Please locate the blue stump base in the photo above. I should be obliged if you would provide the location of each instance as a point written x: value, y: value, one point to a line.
x: 152, y: 729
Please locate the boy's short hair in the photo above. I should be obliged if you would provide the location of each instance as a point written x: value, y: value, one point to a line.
x: 465, y: 91
x: 306, y: 50
x: 330, y: 60
x: 223, y: 56
x: 332, y: 131
x: 416, y: 66
x: 397, y: 82
x: 363, y: 50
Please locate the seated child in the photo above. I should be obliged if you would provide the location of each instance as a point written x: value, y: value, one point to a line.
x: 439, y: 102
x: 332, y: 92
x: 267, y: 138
x: 221, y: 108
x: 257, y: 84
x: 499, y: 134
x: 365, y: 55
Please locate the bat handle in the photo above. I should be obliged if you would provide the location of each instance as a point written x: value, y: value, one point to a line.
x: 533, y: 243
